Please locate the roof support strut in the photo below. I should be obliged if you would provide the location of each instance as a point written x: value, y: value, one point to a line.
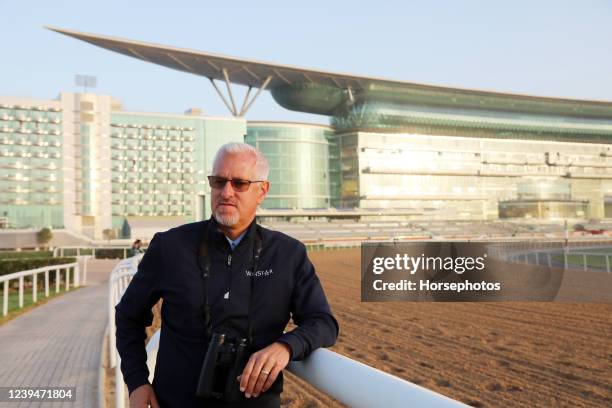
x: 229, y: 91
x: 246, y: 107
x: 212, y: 81
x: 246, y: 103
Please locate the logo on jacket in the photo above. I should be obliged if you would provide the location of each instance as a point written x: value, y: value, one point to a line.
x: 258, y: 274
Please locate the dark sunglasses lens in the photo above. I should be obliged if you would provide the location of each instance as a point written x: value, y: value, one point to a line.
x: 216, y: 182
x: 240, y: 185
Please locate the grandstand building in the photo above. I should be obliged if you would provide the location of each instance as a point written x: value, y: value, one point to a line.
x: 392, y: 150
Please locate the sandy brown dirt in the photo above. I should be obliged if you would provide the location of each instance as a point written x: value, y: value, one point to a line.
x: 484, y: 354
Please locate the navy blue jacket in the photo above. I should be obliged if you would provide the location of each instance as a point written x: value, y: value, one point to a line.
x: 285, y: 286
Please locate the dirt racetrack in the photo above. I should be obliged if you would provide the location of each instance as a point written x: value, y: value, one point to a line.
x: 484, y: 354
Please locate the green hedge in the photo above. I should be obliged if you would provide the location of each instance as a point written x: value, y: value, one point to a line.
x: 111, y: 253
x: 17, y: 265
x: 75, y: 251
x: 25, y: 254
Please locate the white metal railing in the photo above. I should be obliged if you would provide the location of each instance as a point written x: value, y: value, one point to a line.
x: 20, y: 276
x: 119, y: 280
x: 352, y: 383
x: 557, y: 254
x: 90, y: 250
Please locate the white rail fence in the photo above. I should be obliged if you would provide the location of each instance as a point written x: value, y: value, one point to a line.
x: 575, y: 258
x: 58, y: 270
x: 348, y: 381
x: 119, y: 280
x: 90, y: 250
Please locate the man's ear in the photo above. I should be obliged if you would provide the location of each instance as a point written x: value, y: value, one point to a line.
x: 265, y: 187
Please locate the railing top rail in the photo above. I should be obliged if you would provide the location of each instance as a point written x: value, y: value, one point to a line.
x: 120, y: 274
x: 36, y: 270
x: 361, y: 386
x: 125, y: 267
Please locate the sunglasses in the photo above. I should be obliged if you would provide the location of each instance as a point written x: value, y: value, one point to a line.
x: 239, y: 185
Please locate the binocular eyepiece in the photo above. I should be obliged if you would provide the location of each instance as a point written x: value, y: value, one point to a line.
x: 224, y: 362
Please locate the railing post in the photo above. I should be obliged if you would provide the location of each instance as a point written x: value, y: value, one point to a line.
x: 34, y: 287
x: 57, y: 280
x: 111, y: 323
x: 47, y: 283
x: 67, y: 279
x: 549, y: 259
x: 20, y: 292
x: 5, y: 298
x: 584, y: 260
x: 77, y: 278
x: 85, y: 270
x: 119, y: 386
x: 607, y: 263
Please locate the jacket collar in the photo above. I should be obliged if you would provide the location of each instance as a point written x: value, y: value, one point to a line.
x: 219, y: 237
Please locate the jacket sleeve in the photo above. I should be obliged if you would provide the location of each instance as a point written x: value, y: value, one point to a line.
x: 316, y: 326
x: 133, y: 313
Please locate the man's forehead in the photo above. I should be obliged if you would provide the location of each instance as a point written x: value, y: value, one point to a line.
x: 243, y: 162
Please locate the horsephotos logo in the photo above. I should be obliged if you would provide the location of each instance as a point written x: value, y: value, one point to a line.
x: 477, y: 271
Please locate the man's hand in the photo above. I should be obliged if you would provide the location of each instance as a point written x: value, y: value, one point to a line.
x: 263, y: 367
x: 143, y: 397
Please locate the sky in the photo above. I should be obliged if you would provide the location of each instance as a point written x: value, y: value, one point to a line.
x: 548, y: 48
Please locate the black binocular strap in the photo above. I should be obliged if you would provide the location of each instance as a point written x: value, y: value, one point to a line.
x: 205, y: 265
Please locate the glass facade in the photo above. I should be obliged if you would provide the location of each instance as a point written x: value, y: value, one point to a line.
x: 438, y: 177
x: 543, y: 209
x: 31, y: 163
x: 299, y: 157
x: 388, y: 116
x: 443, y: 153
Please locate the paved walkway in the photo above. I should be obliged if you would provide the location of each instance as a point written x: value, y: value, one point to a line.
x: 59, y: 343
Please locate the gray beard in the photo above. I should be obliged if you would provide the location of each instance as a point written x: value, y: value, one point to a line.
x: 227, y: 220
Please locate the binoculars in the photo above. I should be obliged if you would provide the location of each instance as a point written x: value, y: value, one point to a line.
x: 224, y: 362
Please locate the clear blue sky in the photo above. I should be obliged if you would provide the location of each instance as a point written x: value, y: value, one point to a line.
x: 550, y: 48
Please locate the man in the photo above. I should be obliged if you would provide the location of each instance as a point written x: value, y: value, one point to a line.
x: 239, y: 299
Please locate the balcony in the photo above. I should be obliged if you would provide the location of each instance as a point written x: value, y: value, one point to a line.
x: 46, y: 167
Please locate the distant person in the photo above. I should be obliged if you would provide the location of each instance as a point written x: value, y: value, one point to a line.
x: 136, y: 248
x: 229, y: 288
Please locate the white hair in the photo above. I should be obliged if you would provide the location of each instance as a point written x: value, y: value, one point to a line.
x: 262, y: 168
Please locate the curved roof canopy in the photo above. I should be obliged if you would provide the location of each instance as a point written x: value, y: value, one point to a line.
x: 262, y: 75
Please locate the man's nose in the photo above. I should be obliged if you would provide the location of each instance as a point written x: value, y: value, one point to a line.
x: 227, y: 190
